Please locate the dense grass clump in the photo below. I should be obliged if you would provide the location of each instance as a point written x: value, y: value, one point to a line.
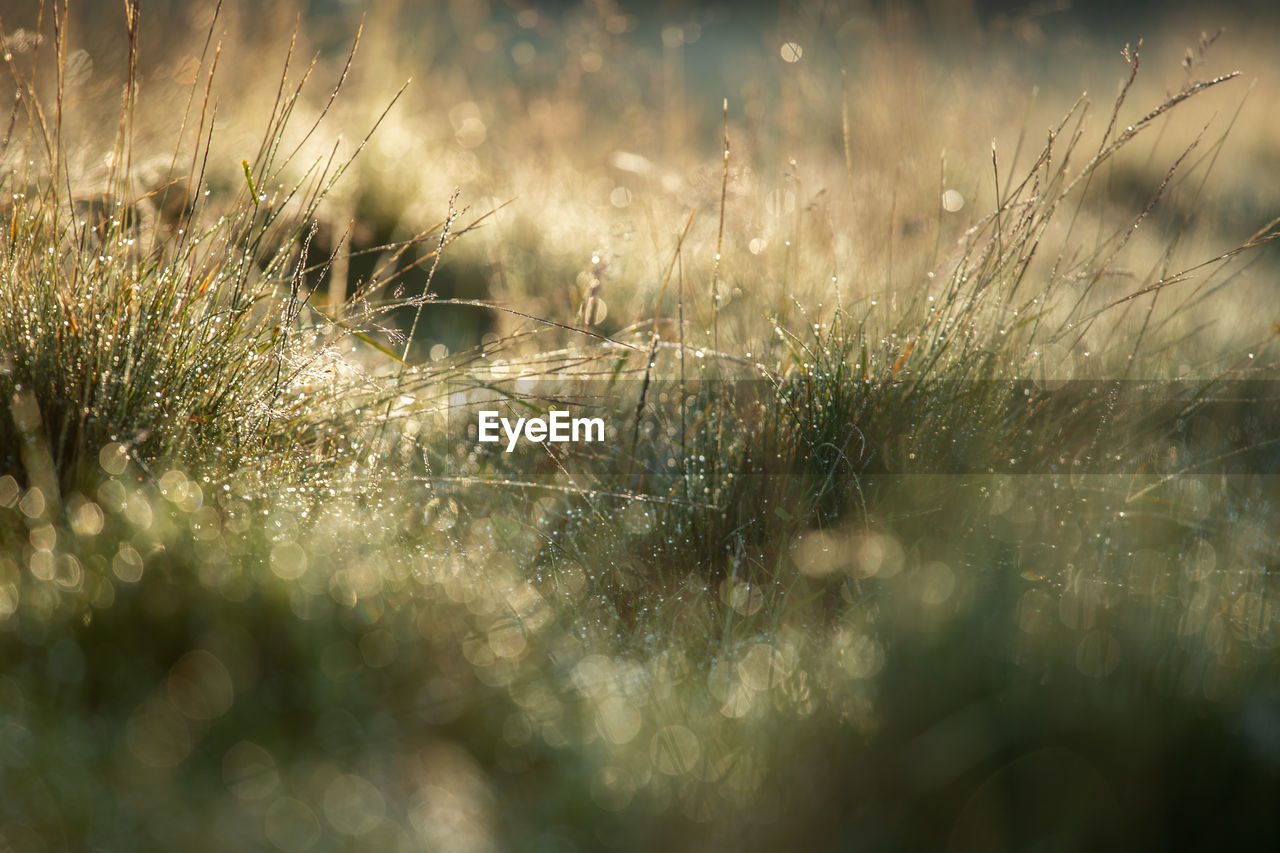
x: 165, y: 322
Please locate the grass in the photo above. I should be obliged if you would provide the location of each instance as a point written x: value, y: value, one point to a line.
x: 894, y: 543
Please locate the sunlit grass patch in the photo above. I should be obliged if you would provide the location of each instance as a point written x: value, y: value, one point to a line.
x: 160, y: 322
x: 884, y: 532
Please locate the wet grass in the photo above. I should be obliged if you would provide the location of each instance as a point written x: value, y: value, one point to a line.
x: 876, y: 555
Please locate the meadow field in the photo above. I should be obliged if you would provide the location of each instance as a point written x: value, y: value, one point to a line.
x: 935, y: 505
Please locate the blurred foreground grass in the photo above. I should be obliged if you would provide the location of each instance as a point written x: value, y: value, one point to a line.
x: 858, y: 567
